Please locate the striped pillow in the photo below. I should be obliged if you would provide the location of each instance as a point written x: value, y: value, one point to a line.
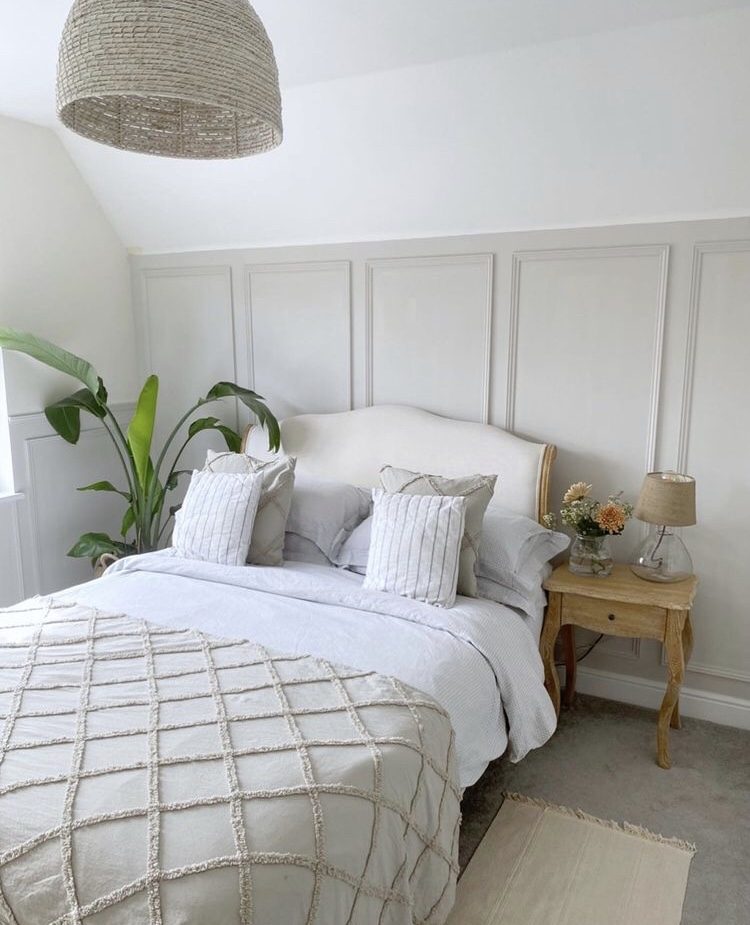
x: 477, y: 489
x: 216, y: 519
x: 415, y: 546
x: 267, y: 541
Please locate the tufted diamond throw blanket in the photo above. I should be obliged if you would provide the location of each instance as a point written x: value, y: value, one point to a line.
x: 158, y: 775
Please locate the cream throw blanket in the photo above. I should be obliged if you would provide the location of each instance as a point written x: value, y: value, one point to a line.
x: 159, y: 775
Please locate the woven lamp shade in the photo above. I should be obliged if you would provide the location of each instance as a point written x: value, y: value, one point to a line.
x: 176, y: 78
x: 667, y: 499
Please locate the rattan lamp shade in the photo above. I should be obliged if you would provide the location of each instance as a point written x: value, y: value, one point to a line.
x: 176, y: 78
x: 668, y: 499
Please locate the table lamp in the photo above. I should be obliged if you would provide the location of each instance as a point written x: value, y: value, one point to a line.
x: 667, y: 499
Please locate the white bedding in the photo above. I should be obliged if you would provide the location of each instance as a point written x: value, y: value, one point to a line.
x: 478, y: 659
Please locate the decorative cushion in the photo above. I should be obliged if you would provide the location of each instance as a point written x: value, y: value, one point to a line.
x: 416, y: 546
x: 325, y: 512
x: 267, y: 542
x: 477, y: 489
x: 216, y: 519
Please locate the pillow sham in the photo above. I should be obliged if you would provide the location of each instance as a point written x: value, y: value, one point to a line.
x: 416, y: 546
x: 299, y: 549
x: 326, y: 512
x: 478, y: 491
x: 515, y: 550
x: 267, y: 541
x: 216, y: 519
x: 356, y: 548
x: 531, y: 604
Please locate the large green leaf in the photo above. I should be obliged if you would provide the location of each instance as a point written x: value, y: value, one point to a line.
x: 51, y: 355
x: 141, y: 430
x: 231, y: 437
x: 104, y: 486
x: 93, y: 545
x: 128, y: 521
x: 65, y: 415
x: 255, y: 403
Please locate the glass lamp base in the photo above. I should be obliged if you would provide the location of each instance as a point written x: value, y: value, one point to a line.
x: 662, y: 557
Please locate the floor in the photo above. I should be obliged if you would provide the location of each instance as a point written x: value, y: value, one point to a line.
x: 602, y: 760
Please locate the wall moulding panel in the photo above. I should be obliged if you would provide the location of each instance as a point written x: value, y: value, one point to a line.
x: 187, y: 325
x: 714, y: 396
x: 445, y: 301
x: 590, y: 321
x: 299, y: 335
x: 624, y: 345
x: 12, y: 584
x: 52, y: 514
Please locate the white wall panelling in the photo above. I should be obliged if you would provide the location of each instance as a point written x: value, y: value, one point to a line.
x: 445, y: 301
x: 11, y: 569
x: 591, y: 321
x: 52, y: 514
x: 188, y: 329
x: 300, y: 335
x: 714, y: 415
x: 615, y: 343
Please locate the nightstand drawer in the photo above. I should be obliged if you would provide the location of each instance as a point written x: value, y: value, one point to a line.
x: 614, y: 618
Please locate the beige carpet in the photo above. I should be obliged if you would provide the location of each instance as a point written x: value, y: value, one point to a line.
x: 541, y: 864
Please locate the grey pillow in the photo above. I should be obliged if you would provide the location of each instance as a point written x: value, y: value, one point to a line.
x: 267, y: 543
x: 476, y: 489
x: 326, y: 512
x: 299, y: 549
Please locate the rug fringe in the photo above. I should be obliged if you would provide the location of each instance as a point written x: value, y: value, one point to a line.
x: 626, y: 827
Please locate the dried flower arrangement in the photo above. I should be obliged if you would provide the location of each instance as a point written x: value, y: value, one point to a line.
x: 588, y: 517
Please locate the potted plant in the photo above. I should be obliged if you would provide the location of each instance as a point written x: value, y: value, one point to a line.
x: 148, y: 481
x: 593, y: 522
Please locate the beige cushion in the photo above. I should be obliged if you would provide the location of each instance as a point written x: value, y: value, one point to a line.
x: 267, y: 543
x: 476, y: 489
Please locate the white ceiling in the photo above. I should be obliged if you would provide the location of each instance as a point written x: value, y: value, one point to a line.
x: 317, y: 40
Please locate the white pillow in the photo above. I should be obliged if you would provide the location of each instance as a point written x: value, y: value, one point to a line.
x: 325, y: 512
x: 216, y: 519
x: 532, y: 604
x: 416, y: 546
x: 355, y: 549
x: 267, y: 541
x: 515, y: 550
x: 477, y: 489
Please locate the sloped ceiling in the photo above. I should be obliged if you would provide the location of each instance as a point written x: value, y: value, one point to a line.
x: 374, y: 91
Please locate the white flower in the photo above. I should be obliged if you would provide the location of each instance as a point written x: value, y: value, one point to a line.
x: 576, y: 492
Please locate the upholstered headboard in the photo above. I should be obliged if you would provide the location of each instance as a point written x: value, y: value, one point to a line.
x: 351, y: 446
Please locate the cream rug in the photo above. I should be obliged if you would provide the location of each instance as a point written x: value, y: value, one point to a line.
x: 541, y: 864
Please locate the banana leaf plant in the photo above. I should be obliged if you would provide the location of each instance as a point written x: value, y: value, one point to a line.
x: 148, y: 481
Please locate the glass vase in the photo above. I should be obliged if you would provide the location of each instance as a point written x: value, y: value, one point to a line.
x: 591, y: 555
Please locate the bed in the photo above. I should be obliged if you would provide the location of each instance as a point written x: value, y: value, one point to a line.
x: 186, y: 742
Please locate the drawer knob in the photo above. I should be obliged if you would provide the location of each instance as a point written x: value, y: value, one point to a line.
x: 610, y: 616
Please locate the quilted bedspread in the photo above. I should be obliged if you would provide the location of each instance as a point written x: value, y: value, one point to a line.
x: 158, y: 775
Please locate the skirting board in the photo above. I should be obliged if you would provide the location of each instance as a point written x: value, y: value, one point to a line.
x: 642, y: 692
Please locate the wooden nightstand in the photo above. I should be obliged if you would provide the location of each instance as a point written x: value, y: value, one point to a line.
x: 622, y: 605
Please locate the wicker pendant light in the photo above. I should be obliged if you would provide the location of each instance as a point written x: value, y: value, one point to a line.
x: 176, y: 78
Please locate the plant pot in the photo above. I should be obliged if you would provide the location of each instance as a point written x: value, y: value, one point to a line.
x: 591, y: 555
x: 103, y: 563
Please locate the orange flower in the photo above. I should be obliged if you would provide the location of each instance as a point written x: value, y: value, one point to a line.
x: 611, y: 517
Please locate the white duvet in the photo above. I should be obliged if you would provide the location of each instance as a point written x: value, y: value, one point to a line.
x: 478, y: 659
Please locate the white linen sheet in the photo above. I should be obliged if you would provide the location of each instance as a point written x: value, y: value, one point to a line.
x: 478, y: 659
